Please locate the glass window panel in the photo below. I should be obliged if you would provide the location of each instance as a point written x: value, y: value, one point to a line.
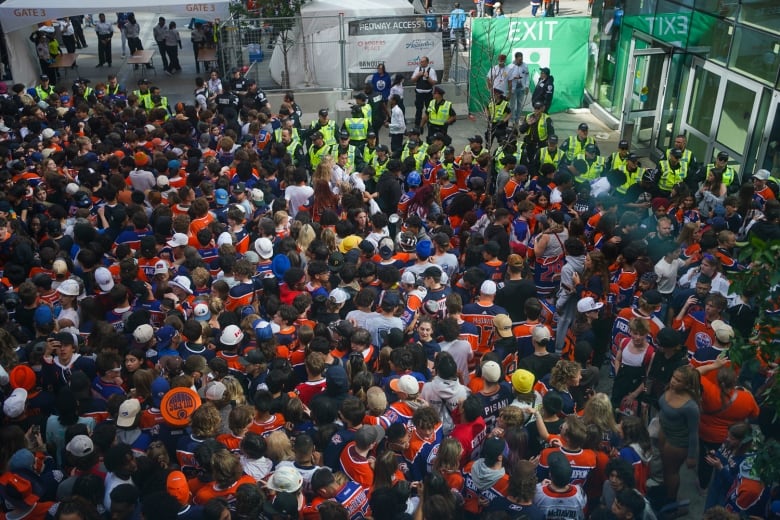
x: 697, y: 146
x: 756, y: 54
x: 705, y: 91
x: 771, y: 161
x: 722, y: 8
x: 735, y: 116
x: 710, y: 34
x: 761, y: 13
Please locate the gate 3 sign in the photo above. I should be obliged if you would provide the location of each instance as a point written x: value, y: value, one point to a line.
x: 558, y: 43
x: 398, y: 42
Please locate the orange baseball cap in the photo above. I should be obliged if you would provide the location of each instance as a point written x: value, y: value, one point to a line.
x: 22, y: 376
x: 176, y: 485
x: 178, y: 405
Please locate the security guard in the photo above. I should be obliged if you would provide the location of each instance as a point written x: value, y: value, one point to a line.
x: 158, y: 100
x: 357, y: 127
x: 687, y: 158
x: 439, y: 115
x: 355, y: 160
x: 550, y: 154
x: 617, y: 159
x: 318, y: 149
x: 587, y: 166
x: 413, y: 149
x: 44, y: 89
x: 325, y: 126
x: 509, y: 149
x: 369, y: 150
x: 293, y: 146
x: 143, y: 94
x: 380, y: 161
x: 414, y: 135
x: 722, y: 162
x: 631, y: 171
x: 286, y: 123
x: 575, y: 144
x: 673, y: 171
x: 361, y: 100
x: 536, y: 126
x: 499, y: 114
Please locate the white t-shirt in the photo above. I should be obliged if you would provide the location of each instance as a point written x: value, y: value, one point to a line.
x: 460, y: 350
x: 297, y: 197
x: 667, y: 274
x: 499, y: 78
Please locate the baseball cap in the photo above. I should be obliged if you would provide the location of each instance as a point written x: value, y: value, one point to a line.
x: 104, y: 279
x: 178, y: 240
x: 386, y: 248
x: 80, y: 446
x: 369, y: 434
x: 335, y: 261
x: 424, y: 249
x: 523, y: 381
x: 43, y: 315
x: 391, y: 299
x: 540, y: 334
x: 632, y: 157
x: 552, y: 138
x: 164, y: 336
x: 162, y: 180
x: 22, y: 376
x: 583, y: 126
x: 488, y: 288
x: 143, y: 333
x: 253, y: 357
x: 141, y: 159
x: 285, y: 479
x: 201, y: 312
x: 22, y: 486
x: 14, y: 404
x: 591, y: 148
x: 560, y: 467
x: 68, y: 287
x: 588, y: 304
x: 176, y: 486
x: 406, y: 384
x: 128, y: 411
x: 323, y: 112
x: 544, y: 70
x: 161, y: 267
x: 160, y: 387
x: 349, y: 243
x: 338, y: 296
x: 221, y: 196
x: 677, y: 153
x: 503, y: 325
x: 439, y: 90
x: 723, y: 156
x: 476, y: 139
x: 232, y: 335
x: 408, y: 278
x: 667, y: 337
x: 215, y: 391
x: 491, y: 371
x: 723, y: 331
x: 652, y: 297
x: 257, y: 196
x: 492, y: 448
x: 623, y: 144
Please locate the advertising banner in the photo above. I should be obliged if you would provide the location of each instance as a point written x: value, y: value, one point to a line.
x: 398, y: 42
x: 561, y: 44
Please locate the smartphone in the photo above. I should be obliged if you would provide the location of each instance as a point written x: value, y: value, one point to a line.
x: 36, y: 429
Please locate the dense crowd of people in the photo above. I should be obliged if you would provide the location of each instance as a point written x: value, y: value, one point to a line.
x: 214, y: 310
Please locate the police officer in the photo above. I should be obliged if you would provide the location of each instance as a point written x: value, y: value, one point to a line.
x: 44, y: 89
x: 631, y: 171
x: 618, y: 159
x: 545, y: 88
x: 369, y: 150
x: 238, y: 83
x: 378, y: 113
x: 293, y: 146
x: 318, y: 149
x: 413, y: 135
x: 550, y: 154
x: 424, y: 78
x: 254, y: 98
x: 324, y: 125
x: 587, y: 166
x: 357, y: 127
x: 537, y: 127
x: 575, y: 144
x: 143, y: 94
x: 228, y: 103
x: 440, y: 114
x: 499, y: 114
x: 354, y: 154
x: 722, y: 162
x: 673, y: 171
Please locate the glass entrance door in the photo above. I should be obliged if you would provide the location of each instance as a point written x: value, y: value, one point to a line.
x: 645, y: 90
x: 720, y: 113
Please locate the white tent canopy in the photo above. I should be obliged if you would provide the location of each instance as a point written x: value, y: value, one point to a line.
x: 322, y: 14
x: 21, y: 14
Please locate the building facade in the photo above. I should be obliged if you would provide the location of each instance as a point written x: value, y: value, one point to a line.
x: 709, y: 69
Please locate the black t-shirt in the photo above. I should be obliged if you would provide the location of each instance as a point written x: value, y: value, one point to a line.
x: 512, y: 297
x: 535, y: 443
x: 539, y: 366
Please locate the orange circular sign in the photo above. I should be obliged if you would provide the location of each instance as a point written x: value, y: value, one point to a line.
x: 178, y: 405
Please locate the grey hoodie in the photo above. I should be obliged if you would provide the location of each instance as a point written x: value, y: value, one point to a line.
x: 573, y: 264
x: 444, y: 395
x: 483, y: 475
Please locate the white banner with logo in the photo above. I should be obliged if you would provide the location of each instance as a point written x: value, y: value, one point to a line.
x: 398, y: 42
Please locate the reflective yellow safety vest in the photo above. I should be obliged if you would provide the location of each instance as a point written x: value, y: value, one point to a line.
x: 145, y: 100
x: 617, y: 161
x: 42, y: 93
x: 497, y: 111
x: 357, y: 128
x: 541, y: 127
x: 686, y: 158
x: 575, y: 147
x: 595, y: 168
x: 369, y: 155
x: 439, y: 114
x: 669, y: 176
x: 631, y: 179
x: 379, y: 168
x: 546, y: 157
x: 315, y: 156
x: 278, y: 135
x: 328, y: 131
x: 368, y: 112
x: 334, y: 151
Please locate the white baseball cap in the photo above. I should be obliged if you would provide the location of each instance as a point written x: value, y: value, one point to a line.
x: 488, y: 288
x: 161, y: 267
x: 143, y: 333
x: 69, y: 288
x: 178, y: 240
x: 338, y: 296
x: 232, y: 335
x: 215, y: 391
x: 128, y: 411
x: 183, y: 283
x: 14, y: 404
x: 201, y: 312
x: 406, y: 384
x: 264, y: 248
x: 104, y: 279
x: 588, y: 304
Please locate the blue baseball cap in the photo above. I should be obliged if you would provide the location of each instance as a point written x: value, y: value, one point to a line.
x: 43, y: 315
x: 263, y: 330
x: 424, y: 249
x: 164, y: 336
x: 221, y: 196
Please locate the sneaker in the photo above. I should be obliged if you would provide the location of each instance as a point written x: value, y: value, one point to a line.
x: 169, y: 73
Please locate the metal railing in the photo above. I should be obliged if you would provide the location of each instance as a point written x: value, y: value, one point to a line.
x: 318, y: 53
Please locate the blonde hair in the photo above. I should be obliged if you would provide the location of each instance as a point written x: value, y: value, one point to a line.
x: 376, y: 401
x: 279, y: 447
x: 324, y: 170
x: 448, y: 456
x: 306, y: 236
x: 235, y: 391
x: 206, y: 421
x: 598, y: 411
x: 226, y: 468
x: 158, y: 453
x: 562, y: 373
x: 329, y: 237
x: 512, y: 416
x: 200, y: 276
x: 279, y: 218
